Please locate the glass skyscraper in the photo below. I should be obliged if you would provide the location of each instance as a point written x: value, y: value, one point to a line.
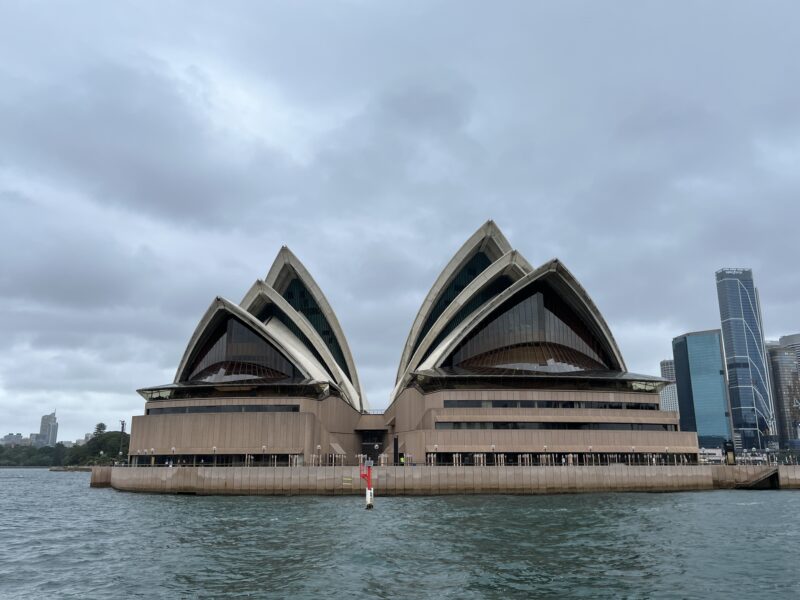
x: 669, y: 393
x: 700, y: 381
x: 48, y: 430
x: 785, y: 375
x: 749, y: 386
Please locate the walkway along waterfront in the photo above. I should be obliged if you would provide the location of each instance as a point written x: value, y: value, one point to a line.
x: 434, y: 480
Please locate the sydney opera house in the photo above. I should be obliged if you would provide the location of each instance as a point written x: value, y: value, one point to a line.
x: 504, y: 364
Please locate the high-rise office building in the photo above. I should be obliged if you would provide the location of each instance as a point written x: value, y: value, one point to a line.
x: 702, y: 391
x: 749, y: 387
x: 48, y: 430
x: 785, y: 376
x: 793, y: 342
x: 669, y: 393
x: 667, y: 369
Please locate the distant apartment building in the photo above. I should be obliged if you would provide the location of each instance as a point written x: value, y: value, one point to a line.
x: 785, y: 377
x: 749, y: 388
x: 702, y: 391
x: 668, y: 369
x: 792, y: 342
x: 12, y: 439
x: 669, y: 393
x: 48, y: 431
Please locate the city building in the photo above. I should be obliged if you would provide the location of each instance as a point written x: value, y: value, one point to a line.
x: 793, y: 342
x: 86, y: 438
x: 669, y: 393
x: 701, y: 386
x: 749, y: 389
x: 667, y: 367
x: 785, y: 376
x: 48, y: 431
x: 504, y: 364
x: 12, y: 439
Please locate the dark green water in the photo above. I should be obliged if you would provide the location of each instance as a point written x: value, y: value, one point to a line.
x: 61, y: 539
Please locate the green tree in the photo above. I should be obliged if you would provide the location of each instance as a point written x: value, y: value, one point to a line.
x: 99, y: 429
x: 102, y: 449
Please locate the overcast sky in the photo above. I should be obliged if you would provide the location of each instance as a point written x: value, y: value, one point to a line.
x: 155, y: 155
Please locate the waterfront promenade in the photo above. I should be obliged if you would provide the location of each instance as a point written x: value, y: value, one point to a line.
x: 422, y: 480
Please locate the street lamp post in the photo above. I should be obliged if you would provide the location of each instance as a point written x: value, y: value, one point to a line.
x: 633, y: 453
x: 319, y: 455
x: 494, y: 457
x: 263, y: 452
x: 546, y: 461
x: 214, y: 450
x: 435, y: 454
x: 591, y: 456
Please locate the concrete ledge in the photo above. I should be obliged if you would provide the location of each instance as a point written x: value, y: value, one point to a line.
x: 416, y: 480
x: 101, y: 477
x: 789, y: 477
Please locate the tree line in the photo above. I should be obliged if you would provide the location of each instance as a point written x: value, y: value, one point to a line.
x: 102, y: 449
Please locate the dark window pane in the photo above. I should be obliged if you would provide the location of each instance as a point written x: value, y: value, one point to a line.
x: 234, y: 352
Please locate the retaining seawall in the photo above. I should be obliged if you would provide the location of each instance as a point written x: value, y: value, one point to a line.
x: 410, y: 480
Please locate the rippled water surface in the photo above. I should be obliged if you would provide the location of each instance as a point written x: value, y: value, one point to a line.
x: 61, y: 539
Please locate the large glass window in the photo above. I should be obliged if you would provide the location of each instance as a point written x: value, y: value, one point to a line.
x: 234, y: 352
x: 223, y: 408
x: 473, y: 267
x: 487, y: 293
x: 303, y: 302
x: 551, y: 426
x: 535, y: 330
x: 548, y: 404
x: 270, y: 311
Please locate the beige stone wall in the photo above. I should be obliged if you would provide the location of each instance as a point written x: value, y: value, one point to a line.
x: 414, y: 410
x: 319, y: 422
x: 405, y: 481
x: 789, y: 477
x: 414, y: 415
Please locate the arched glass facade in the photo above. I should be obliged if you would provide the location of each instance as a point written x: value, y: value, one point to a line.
x: 270, y: 311
x: 303, y: 302
x: 535, y: 330
x: 482, y: 297
x: 473, y: 267
x: 234, y: 352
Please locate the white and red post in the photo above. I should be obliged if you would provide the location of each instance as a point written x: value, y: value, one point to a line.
x: 366, y: 475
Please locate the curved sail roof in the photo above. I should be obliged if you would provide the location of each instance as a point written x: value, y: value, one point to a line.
x: 483, y: 247
x: 544, y: 320
x: 490, y: 312
x: 265, y: 303
x: 500, y: 275
x: 289, y: 277
x: 230, y: 344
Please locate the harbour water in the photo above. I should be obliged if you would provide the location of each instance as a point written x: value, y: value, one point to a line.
x: 61, y: 539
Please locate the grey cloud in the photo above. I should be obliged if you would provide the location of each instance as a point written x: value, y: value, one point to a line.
x: 646, y: 145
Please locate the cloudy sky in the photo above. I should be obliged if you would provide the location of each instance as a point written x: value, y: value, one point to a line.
x: 155, y: 155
